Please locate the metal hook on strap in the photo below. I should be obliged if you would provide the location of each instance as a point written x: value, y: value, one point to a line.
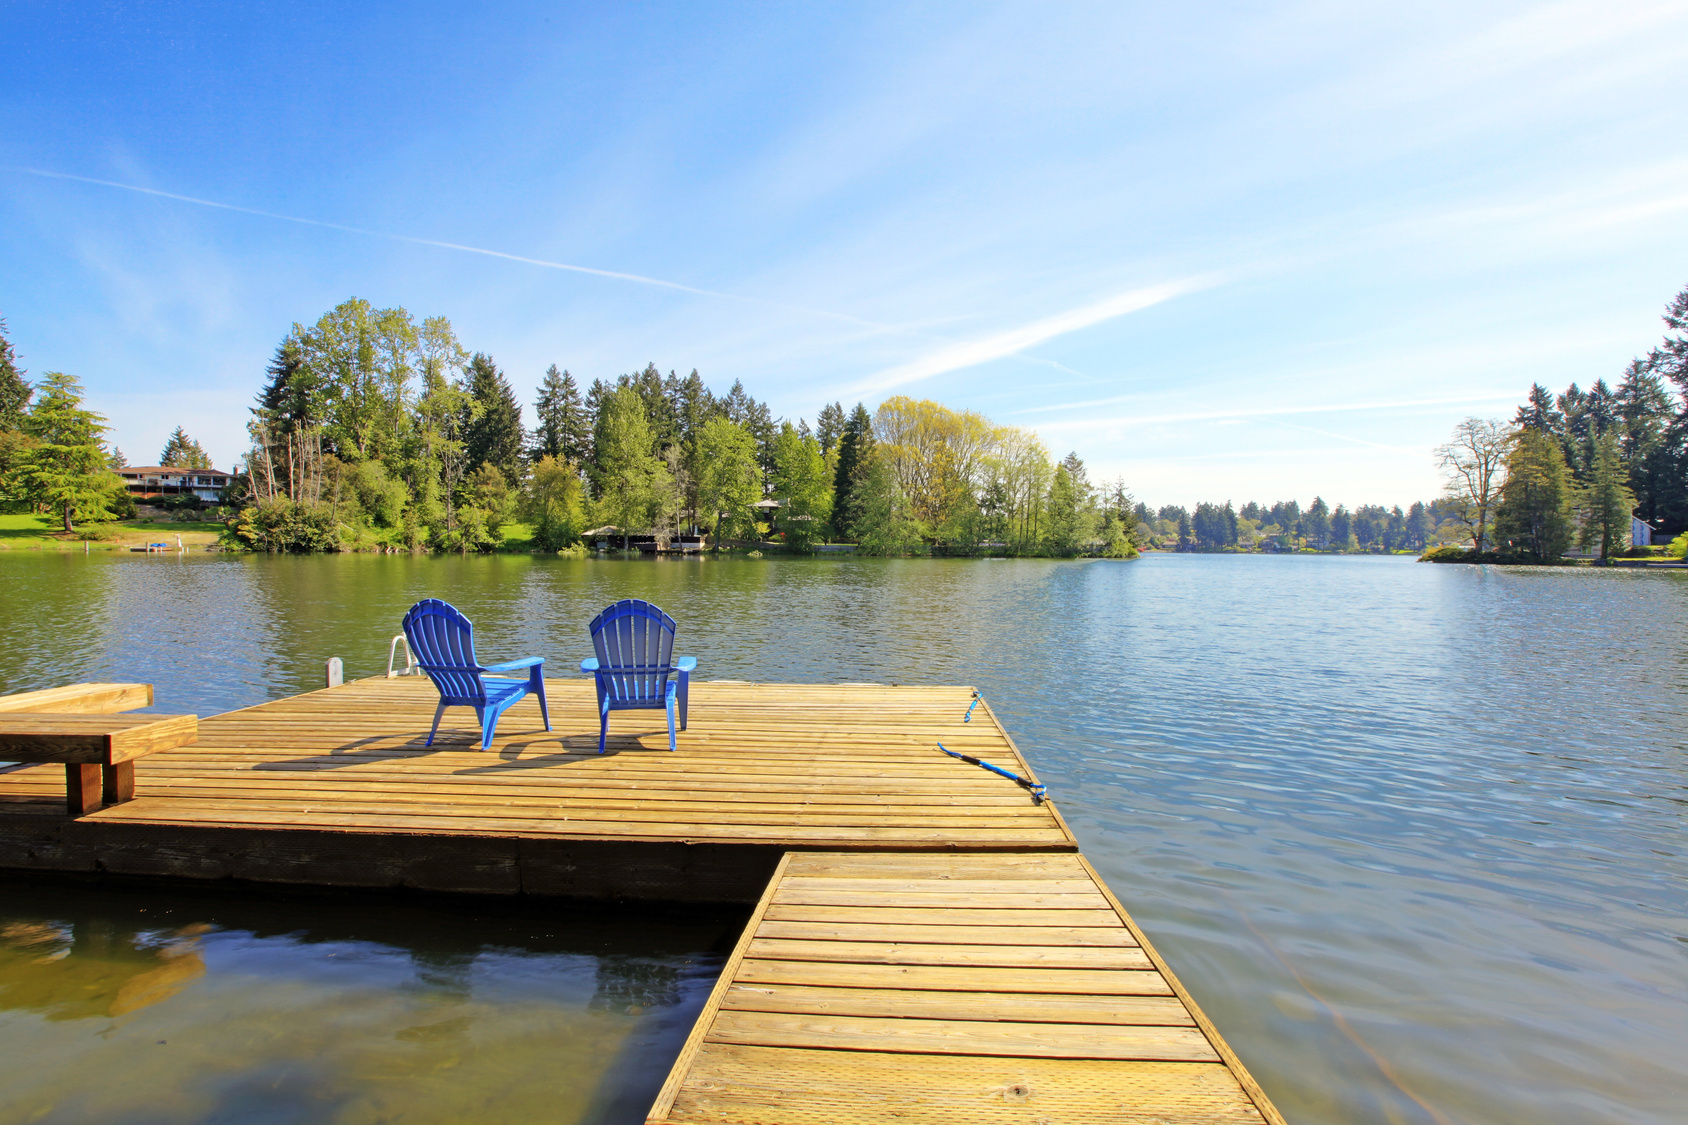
x: 967, y: 718
x: 1040, y: 793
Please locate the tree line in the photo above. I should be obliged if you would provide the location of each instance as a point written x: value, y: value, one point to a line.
x: 1286, y: 526
x: 1573, y: 468
x: 373, y: 429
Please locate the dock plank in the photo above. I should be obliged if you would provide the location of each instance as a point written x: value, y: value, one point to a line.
x: 775, y: 766
x: 868, y: 1014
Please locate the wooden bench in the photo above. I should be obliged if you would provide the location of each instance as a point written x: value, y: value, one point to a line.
x: 77, y: 724
x: 98, y: 751
x: 80, y: 699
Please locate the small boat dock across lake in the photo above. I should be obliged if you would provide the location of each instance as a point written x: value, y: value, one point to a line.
x: 927, y: 944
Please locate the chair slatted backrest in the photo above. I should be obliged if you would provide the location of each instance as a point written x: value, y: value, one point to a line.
x: 444, y: 643
x: 634, y: 641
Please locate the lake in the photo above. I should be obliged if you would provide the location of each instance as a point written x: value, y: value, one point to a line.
x: 1412, y: 835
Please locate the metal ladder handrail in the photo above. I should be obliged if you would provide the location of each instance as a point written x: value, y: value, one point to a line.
x: 410, y: 668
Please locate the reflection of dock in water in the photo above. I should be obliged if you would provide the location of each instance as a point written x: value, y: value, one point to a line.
x: 931, y: 947
x: 74, y: 970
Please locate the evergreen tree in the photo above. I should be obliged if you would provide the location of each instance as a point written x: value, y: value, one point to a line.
x: 562, y: 430
x: 1645, y: 416
x: 1607, y: 502
x: 829, y: 426
x: 1316, y: 524
x: 1534, y: 515
x: 1538, y: 413
x: 855, y: 446
x: 288, y: 396
x: 67, y: 470
x: 15, y: 390
x: 494, y: 436
x: 182, y: 452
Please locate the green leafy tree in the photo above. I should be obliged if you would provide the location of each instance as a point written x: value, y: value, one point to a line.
x: 802, y: 486
x: 1607, y: 503
x: 728, y: 481
x: 885, y: 524
x: 357, y: 363
x: 1065, y: 515
x: 630, y: 476
x: 1534, y: 515
x: 182, y: 452
x: 68, y: 470
x: 554, y: 504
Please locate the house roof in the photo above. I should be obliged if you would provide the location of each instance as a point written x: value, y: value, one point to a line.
x: 162, y: 469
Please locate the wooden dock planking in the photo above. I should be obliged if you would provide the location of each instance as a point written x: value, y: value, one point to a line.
x: 764, y: 768
x: 1073, y: 1022
x: 930, y: 947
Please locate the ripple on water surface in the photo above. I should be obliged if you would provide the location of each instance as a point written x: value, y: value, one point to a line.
x: 1412, y: 834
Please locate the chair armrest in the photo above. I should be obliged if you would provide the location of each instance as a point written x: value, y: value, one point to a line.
x: 685, y: 663
x: 590, y: 664
x: 512, y: 665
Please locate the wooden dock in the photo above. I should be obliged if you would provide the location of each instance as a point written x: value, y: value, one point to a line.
x: 927, y: 945
x: 946, y: 989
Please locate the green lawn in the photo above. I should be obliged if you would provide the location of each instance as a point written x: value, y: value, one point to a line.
x: 28, y: 531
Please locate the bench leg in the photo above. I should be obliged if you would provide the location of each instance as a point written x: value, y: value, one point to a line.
x: 118, y: 783
x: 82, y: 788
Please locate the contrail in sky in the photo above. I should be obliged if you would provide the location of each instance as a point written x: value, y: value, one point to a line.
x: 973, y: 352
x: 638, y: 279
x: 1262, y: 412
x: 951, y: 357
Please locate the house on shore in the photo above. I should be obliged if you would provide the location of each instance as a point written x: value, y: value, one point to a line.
x: 155, y: 482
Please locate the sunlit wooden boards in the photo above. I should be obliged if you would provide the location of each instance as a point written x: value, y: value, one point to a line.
x: 97, y: 751
x: 950, y: 989
x: 80, y: 699
x: 764, y: 768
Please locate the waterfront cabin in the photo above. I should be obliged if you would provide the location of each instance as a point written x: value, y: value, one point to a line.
x: 152, y: 482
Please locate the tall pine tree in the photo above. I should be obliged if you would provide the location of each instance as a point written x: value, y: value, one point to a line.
x: 494, y: 435
x: 15, y: 391
x: 562, y: 431
x: 182, y: 452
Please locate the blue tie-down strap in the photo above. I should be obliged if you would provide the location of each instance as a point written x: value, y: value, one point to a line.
x: 1040, y: 793
x: 967, y: 718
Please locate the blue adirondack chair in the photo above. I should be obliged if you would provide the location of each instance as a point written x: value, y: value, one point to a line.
x: 444, y: 643
x: 634, y: 641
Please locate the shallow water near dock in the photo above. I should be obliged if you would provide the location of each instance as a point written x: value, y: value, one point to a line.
x: 1412, y: 835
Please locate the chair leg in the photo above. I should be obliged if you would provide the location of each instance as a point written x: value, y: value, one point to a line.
x: 671, y: 745
x: 603, y: 724
x: 536, y: 684
x: 438, y: 711
x: 685, y: 682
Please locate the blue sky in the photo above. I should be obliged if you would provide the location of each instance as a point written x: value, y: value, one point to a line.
x: 1245, y: 251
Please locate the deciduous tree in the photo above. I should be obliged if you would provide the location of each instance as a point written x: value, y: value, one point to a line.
x: 1475, y: 462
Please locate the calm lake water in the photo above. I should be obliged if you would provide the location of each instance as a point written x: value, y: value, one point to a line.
x: 1413, y: 835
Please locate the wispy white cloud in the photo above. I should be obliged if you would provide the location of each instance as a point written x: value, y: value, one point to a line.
x: 414, y: 240
x: 1263, y: 412
x: 971, y: 353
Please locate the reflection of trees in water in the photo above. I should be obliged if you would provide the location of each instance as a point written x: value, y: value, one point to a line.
x: 91, y: 968
x: 444, y: 972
